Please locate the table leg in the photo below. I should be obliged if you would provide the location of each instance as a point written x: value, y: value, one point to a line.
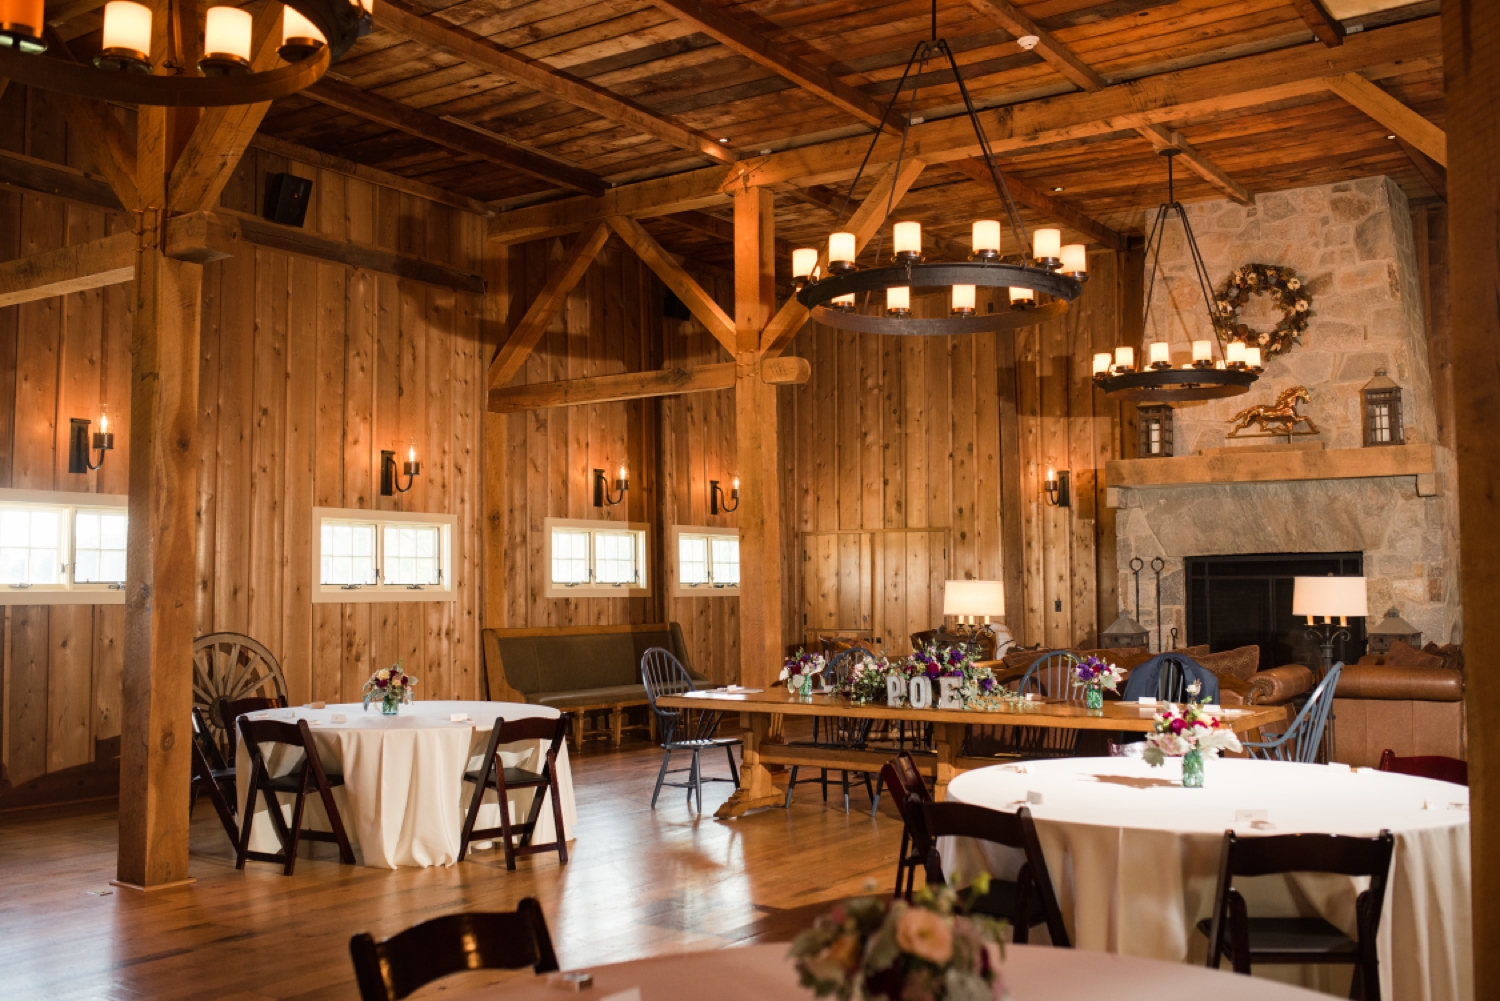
x: 948, y: 741
x: 651, y: 721
x: 756, y: 788
x: 616, y: 724
x: 578, y: 731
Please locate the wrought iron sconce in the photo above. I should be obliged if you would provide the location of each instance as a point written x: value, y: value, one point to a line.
x: 1056, y: 488
x: 716, y: 504
x: 602, y: 492
x: 411, y: 469
x: 80, y: 455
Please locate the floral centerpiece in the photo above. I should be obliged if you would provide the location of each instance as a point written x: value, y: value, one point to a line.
x: 865, y: 681
x: 1096, y: 674
x: 800, y: 669
x: 977, y: 685
x: 930, y: 949
x: 1190, y: 734
x: 391, y: 686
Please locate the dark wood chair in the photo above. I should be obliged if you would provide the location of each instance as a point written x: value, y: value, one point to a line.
x: 1434, y: 766
x: 233, y: 709
x: 494, y: 775
x: 903, y: 781
x: 1026, y: 901
x: 408, y: 960
x: 838, y: 732
x: 1050, y: 676
x: 1245, y: 940
x: 210, y: 773
x: 682, y: 729
x: 228, y: 667
x: 298, y: 782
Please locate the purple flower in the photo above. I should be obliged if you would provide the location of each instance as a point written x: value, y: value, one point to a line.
x: 985, y: 684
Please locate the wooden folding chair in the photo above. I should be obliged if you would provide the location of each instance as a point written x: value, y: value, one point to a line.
x: 494, y: 775
x: 903, y: 781
x: 298, y: 782
x: 209, y: 772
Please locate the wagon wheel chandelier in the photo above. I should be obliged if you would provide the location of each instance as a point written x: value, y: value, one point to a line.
x: 1203, y: 378
x: 314, y: 33
x: 840, y: 294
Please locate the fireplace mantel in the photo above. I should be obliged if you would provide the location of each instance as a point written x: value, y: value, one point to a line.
x: 1276, y: 465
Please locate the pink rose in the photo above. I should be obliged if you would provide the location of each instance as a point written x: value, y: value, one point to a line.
x: 925, y: 935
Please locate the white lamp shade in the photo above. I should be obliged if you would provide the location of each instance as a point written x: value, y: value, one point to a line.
x: 1101, y: 362
x: 1252, y: 357
x: 1235, y: 352
x: 1160, y: 351
x: 963, y: 297
x: 1046, y: 243
x: 1021, y: 295
x: 898, y: 297
x: 841, y: 247
x: 1075, y: 259
x: 908, y: 238
x: 1203, y: 350
x: 1125, y: 357
x: 226, y: 32
x: 294, y: 25
x: 986, y: 235
x: 974, y: 598
x: 1335, y: 597
x: 127, y: 26
x: 804, y: 259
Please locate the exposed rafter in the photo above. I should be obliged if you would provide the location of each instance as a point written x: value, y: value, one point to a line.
x: 484, y: 54
x: 1066, y: 62
x: 1329, y: 29
x: 549, y: 301
x: 1391, y: 113
x: 702, y: 305
x: 639, y: 385
x: 1435, y: 174
x: 1054, y: 208
x: 416, y: 122
x: 730, y: 32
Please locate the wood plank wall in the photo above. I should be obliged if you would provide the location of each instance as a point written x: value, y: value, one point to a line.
x: 307, y: 371
x: 918, y: 460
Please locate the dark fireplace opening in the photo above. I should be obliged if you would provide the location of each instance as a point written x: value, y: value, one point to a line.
x: 1234, y: 601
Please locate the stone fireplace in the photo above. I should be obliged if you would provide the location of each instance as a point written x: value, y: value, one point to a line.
x: 1351, y: 245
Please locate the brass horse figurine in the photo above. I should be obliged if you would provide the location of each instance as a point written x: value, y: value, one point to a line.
x: 1275, y: 419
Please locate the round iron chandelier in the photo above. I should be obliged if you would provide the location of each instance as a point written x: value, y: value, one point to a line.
x: 314, y: 33
x: 877, y: 300
x: 1204, y: 377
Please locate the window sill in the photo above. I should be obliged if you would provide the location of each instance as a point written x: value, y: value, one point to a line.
x: 39, y: 596
x: 374, y: 594
x: 707, y: 592
x: 595, y: 591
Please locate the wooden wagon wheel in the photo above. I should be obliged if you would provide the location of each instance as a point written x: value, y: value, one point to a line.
x: 230, y: 666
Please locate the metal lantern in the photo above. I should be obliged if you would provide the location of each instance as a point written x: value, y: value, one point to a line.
x: 1124, y: 634
x: 1390, y: 629
x: 1382, y: 405
x: 1155, y: 426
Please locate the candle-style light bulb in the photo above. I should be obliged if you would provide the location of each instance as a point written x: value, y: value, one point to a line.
x: 126, y: 41
x: 963, y: 298
x: 1101, y: 363
x: 1075, y: 259
x: 300, y: 38
x: 1235, y: 354
x: 226, y: 42
x: 841, y: 251
x: 986, y: 237
x: 908, y: 239
x: 104, y: 423
x: 1046, y: 245
x: 1021, y: 296
x: 804, y: 259
x: 411, y: 453
x: 736, y: 482
x: 1051, y: 475
x: 898, y: 298
x: 1160, y: 353
x: 1203, y: 350
x: 622, y: 474
x: 1125, y: 357
x: 1252, y: 357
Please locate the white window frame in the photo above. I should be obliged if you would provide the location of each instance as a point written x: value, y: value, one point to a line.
x: 324, y: 594
x: 593, y: 589
x: 65, y: 592
x: 709, y: 590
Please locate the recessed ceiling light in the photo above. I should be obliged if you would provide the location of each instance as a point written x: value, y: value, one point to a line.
x: 723, y: 140
x: 1059, y: 188
x: 1028, y: 42
x: 1390, y: 137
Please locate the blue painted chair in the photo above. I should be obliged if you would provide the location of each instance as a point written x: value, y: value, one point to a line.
x: 694, y: 731
x: 1049, y: 676
x: 1302, y: 739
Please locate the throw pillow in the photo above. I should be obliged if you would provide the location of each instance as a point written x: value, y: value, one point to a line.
x: 1404, y: 655
x: 1240, y: 663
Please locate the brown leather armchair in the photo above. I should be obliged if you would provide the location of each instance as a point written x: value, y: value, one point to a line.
x: 1411, y: 710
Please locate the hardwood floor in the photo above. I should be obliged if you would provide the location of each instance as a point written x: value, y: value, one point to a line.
x: 639, y: 883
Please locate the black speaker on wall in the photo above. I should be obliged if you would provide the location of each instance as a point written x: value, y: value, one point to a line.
x: 286, y: 199
x: 673, y: 308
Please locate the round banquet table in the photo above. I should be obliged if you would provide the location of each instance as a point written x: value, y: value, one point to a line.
x: 404, y: 795
x: 1031, y: 973
x: 1134, y: 857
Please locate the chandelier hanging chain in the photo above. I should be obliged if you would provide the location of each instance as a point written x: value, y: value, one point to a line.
x: 1017, y: 225
x: 1157, y: 238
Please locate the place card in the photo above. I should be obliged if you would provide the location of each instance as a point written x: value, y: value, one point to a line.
x: 338, y: 718
x: 1339, y: 766
x: 574, y: 982
x: 1147, y: 700
x: 1033, y: 797
x: 1245, y: 816
x: 1030, y: 697
x: 458, y: 717
x: 1213, y: 709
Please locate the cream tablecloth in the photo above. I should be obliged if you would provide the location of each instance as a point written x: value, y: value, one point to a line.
x: 404, y: 796
x: 1032, y: 973
x: 1134, y: 857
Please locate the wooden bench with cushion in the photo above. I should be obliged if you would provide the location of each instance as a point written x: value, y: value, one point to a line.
x: 578, y: 669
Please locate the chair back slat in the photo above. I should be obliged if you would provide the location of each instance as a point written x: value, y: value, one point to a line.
x: 663, y: 675
x: 409, y: 960
x: 1051, y: 676
x: 548, y: 728
x: 1322, y: 853
x: 1302, y: 739
x: 1171, y: 683
x: 903, y: 781
x: 269, y: 731
x: 964, y: 820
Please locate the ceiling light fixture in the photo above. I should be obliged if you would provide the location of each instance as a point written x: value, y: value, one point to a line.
x: 841, y: 294
x: 1028, y: 42
x: 1058, y: 188
x: 1201, y: 379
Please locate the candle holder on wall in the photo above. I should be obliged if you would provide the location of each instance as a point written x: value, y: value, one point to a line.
x: 390, y: 484
x: 603, y: 495
x: 1055, y: 486
x: 716, y: 504
x: 80, y: 454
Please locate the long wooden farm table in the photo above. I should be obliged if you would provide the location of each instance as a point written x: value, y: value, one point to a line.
x: 757, y: 790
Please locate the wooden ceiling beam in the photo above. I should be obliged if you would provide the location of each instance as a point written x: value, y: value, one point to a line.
x: 1403, y: 121
x: 548, y: 303
x: 1435, y: 174
x: 1066, y: 62
x: 641, y: 385
x: 106, y: 261
x: 484, y: 54
x: 99, y: 134
x: 364, y: 172
x: 729, y: 32
x: 1054, y: 208
x: 1329, y: 29
x: 413, y: 121
x: 889, y: 189
x: 720, y: 229
x: 702, y: 305
x: 1215, y: 88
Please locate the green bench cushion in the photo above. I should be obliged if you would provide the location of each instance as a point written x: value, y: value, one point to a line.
x: 589, y: 696
x: 555, y: 666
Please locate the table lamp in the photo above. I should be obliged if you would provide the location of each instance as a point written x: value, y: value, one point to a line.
x: 972, y: 602
x: 1329, y: 598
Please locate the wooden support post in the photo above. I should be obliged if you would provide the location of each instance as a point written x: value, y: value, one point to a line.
x: 1471, y: 31
x: 156, y: 735
x: 761, y: 571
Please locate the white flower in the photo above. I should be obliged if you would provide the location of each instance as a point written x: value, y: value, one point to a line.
x: 1294, y: 283
x: 383, y: 674
x: 1301, y: 305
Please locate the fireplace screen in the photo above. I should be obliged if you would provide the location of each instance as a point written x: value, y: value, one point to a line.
x: 1234, y: 601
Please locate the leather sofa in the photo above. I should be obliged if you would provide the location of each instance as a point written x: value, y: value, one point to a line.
x: 1408, y: 700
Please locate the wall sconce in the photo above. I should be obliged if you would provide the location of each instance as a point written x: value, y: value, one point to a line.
x: 602, y: 491
x: 411, y: 469
x: 716, y: 503
x: 80, y: 456
x: 1056, y: 488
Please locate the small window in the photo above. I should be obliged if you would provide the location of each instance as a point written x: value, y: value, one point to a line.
x: 58, y: 547
x: 382, y: 556
x: 708, y: 561
x: 595, y: 557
